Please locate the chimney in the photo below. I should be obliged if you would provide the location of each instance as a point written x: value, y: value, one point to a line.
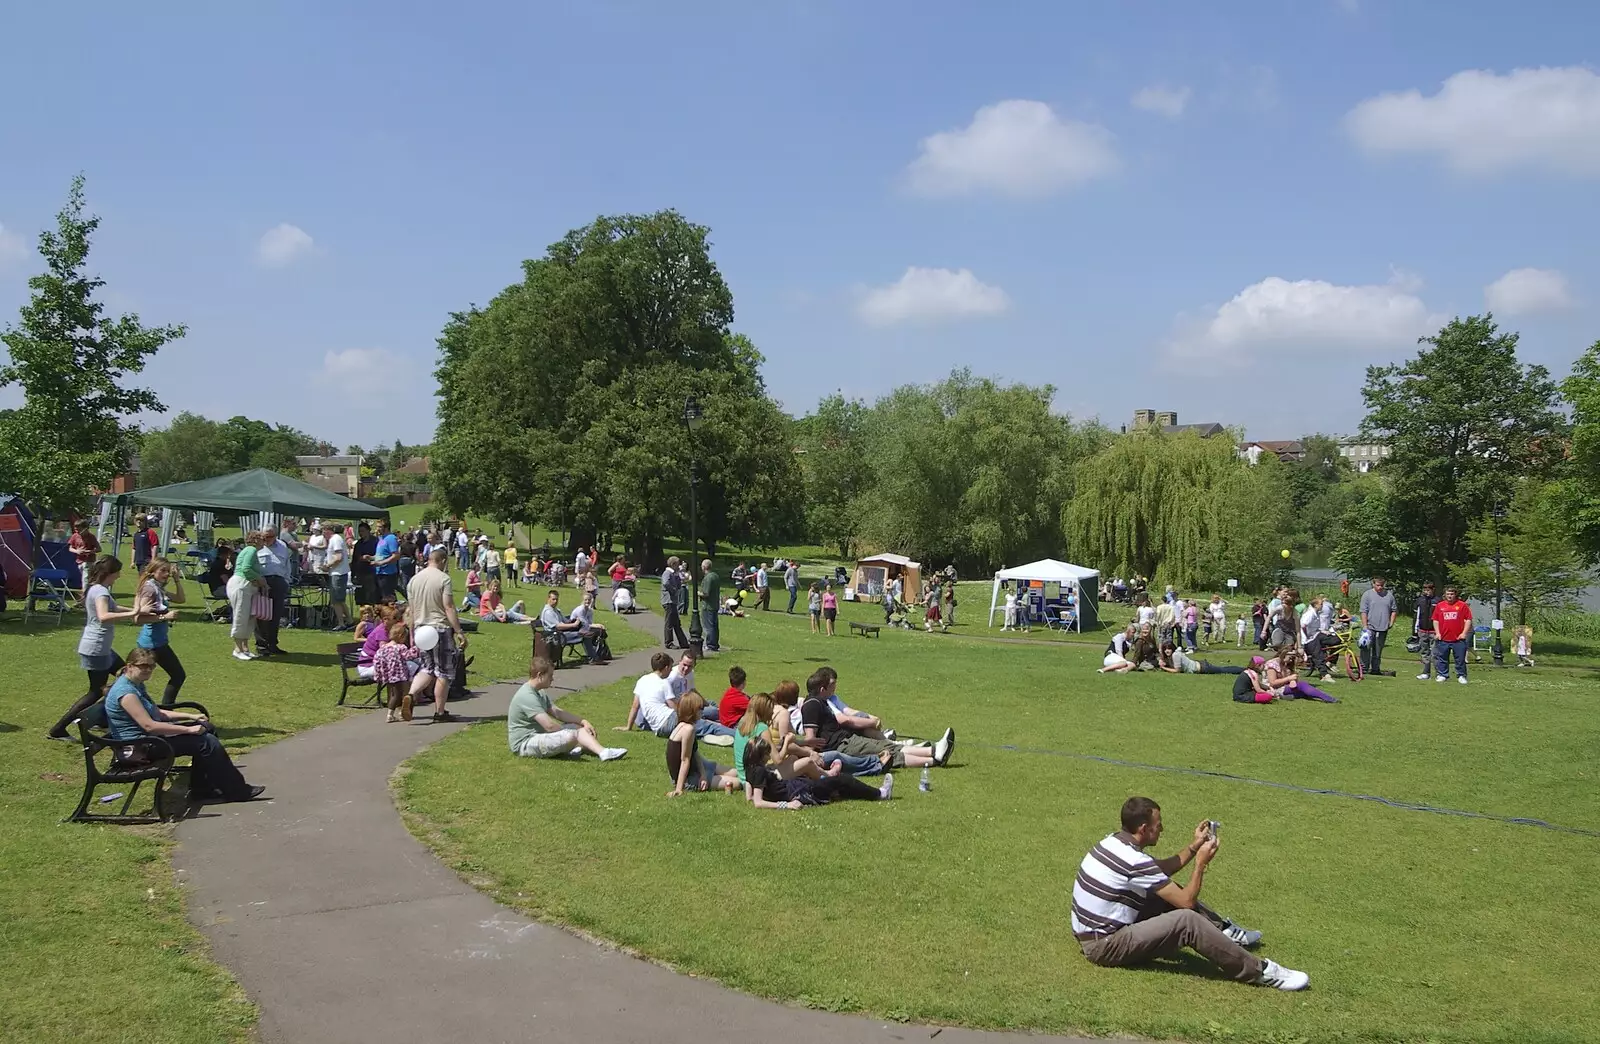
x: 1166, y: 419
x: 1143, y: 418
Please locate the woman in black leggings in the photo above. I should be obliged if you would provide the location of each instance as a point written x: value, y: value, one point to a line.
x: 96, y: 649
x: 152, y: 604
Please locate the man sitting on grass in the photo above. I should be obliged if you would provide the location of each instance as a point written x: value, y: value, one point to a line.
x: 1126, y: 909
x: 537, y: 728
x: 826, y: 729
x: 655, y: 706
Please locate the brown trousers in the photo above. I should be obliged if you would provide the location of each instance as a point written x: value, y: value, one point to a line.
x: 1162, y: 930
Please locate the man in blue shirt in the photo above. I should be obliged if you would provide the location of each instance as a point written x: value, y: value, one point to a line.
x: 386, y: 562
x: 273, y: 558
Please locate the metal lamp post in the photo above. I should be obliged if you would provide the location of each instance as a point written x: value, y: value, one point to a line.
x: 691, y: 421
x: 1498, y: 513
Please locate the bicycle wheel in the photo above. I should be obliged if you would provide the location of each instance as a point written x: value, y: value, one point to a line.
x: 1352, y: 665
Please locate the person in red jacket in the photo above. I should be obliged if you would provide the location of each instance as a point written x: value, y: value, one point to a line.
x: 733, y: 703
x: 1452, y: 622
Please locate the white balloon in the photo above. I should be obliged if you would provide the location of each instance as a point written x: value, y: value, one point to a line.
x: 426, y: 637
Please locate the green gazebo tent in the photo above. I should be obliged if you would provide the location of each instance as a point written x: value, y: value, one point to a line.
x: 242, y: 493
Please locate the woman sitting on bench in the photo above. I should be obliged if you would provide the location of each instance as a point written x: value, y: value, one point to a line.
x: 131, y: 715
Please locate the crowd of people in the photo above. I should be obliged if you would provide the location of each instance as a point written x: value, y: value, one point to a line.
x: 787, y: 751
x: 1298, y: 637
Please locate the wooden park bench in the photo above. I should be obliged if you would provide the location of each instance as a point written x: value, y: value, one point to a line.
x: 132, y: 761
x: 350, y: 678
x: 864, y: 629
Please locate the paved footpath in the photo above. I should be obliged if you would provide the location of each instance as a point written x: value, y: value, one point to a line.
x: 346, y: 930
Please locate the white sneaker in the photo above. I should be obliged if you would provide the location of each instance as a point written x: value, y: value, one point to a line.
x: 1280, y: 978
x: 717, y: 740
x: 887, y: 790
x: 889, y: 734
x: 237, y: 655
x: 1460, y: 679
x: 1424, y: 676
x: 1441, y: 678
x: 612, y: 753
x: 1243, y: 936
x: 941, y: 749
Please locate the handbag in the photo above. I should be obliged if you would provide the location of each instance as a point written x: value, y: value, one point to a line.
x: 261, y: 607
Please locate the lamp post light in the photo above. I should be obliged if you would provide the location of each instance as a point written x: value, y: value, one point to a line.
x: 1498, y: 513
x: 691, y: 422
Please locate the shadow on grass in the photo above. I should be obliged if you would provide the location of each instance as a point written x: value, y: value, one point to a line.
x: 246, y: 732
x: 6, y: 726
x: 309, y: 659
x: 1186, y: 963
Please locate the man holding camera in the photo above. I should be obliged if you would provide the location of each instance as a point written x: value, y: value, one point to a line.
x: 1126, y: 909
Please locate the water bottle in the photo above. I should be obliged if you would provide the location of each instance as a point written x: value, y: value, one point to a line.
x: 926, y: 783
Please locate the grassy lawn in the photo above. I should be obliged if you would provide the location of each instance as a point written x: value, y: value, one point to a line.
x: 952, y: 906
x: 92, y: 912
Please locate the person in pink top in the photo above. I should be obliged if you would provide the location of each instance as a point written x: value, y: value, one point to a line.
x: 1191, y: 625
x: 830, y: 607
x: 490, y: 607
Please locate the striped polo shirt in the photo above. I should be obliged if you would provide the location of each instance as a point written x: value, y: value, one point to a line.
x: 1112, y: 884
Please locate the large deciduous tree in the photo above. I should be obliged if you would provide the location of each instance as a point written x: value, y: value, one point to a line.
x: 561, y: 401
x: 1464, y: 420
x: 193, y: 447
x: 838, y: 471
x: 1540, y: 567
x: 70, y: 436
x: 1580, y: 487
x: 1178, y: 508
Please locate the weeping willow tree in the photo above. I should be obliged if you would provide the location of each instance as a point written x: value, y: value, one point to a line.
x: 1181, y: 509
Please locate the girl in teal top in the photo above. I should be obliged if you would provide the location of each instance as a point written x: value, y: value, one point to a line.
x: 152, y: 605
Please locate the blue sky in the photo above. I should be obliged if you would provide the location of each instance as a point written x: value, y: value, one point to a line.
x: 1226, y: 212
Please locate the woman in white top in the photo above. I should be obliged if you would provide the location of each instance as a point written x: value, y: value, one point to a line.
x: 97, y: 652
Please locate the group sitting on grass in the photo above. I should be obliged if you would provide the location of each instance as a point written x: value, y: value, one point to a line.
x: 776, y: 763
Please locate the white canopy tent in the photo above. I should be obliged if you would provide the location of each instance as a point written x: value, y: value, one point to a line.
x: 1086, y: 582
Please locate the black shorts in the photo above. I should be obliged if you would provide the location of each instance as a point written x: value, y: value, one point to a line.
x: 366, y: 589
x: 387, y: 583
x: 830, y: 614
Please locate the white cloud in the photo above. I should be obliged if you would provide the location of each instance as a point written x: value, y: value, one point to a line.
x: 1161, y: 100
x: 12, y: 247
x: 354, y: 362
x: 1016, y: 148
x: 1524, y: 290
x: 282, y: 245
x: 931, y: 295
x: 1483, y: 123
x: 1309, y: 314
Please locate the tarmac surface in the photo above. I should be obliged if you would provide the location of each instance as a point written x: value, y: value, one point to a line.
x: 345, y: 929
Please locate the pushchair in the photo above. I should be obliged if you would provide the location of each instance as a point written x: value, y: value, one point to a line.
x: 899, y: 614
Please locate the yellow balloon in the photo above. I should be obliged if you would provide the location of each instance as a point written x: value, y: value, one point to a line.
x: 1284, y: 552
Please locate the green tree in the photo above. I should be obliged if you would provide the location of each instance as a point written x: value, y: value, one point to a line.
x: 1540, y: 566
x: 1180, y: 509
x: 838, y: 471
x: 70, y: 436
x: 561, y: 400
x: 1580, y: 487
x: 1374, y: 539
x: 191, y: 447
x: 970, y: 471
x: 1463, y: 421
x: 257, y: 444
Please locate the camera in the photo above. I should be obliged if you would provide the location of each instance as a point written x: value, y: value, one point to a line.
x: 1212, y: 826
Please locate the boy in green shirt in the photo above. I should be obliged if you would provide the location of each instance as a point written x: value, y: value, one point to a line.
x: 537, y: 728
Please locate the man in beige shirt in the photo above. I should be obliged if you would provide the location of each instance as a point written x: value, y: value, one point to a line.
x: 429, y: 604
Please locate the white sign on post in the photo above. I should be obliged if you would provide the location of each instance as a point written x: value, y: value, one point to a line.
x: 1233, y: 584
x: 1498, y: 625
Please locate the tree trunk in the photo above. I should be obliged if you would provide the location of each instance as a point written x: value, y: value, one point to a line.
x: 580, y: 536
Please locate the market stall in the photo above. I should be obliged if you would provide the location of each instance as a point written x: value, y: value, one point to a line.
x: 1058, y: 593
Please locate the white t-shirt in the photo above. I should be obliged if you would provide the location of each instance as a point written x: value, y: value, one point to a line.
x: 337, y: 546
x: 1310, y: 624
x: 1218, y: 610
x: 461, y: 539
x: 654, y: 694
x: 1147, y: 614
x: 680, y: 681
x: 317, y: 552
